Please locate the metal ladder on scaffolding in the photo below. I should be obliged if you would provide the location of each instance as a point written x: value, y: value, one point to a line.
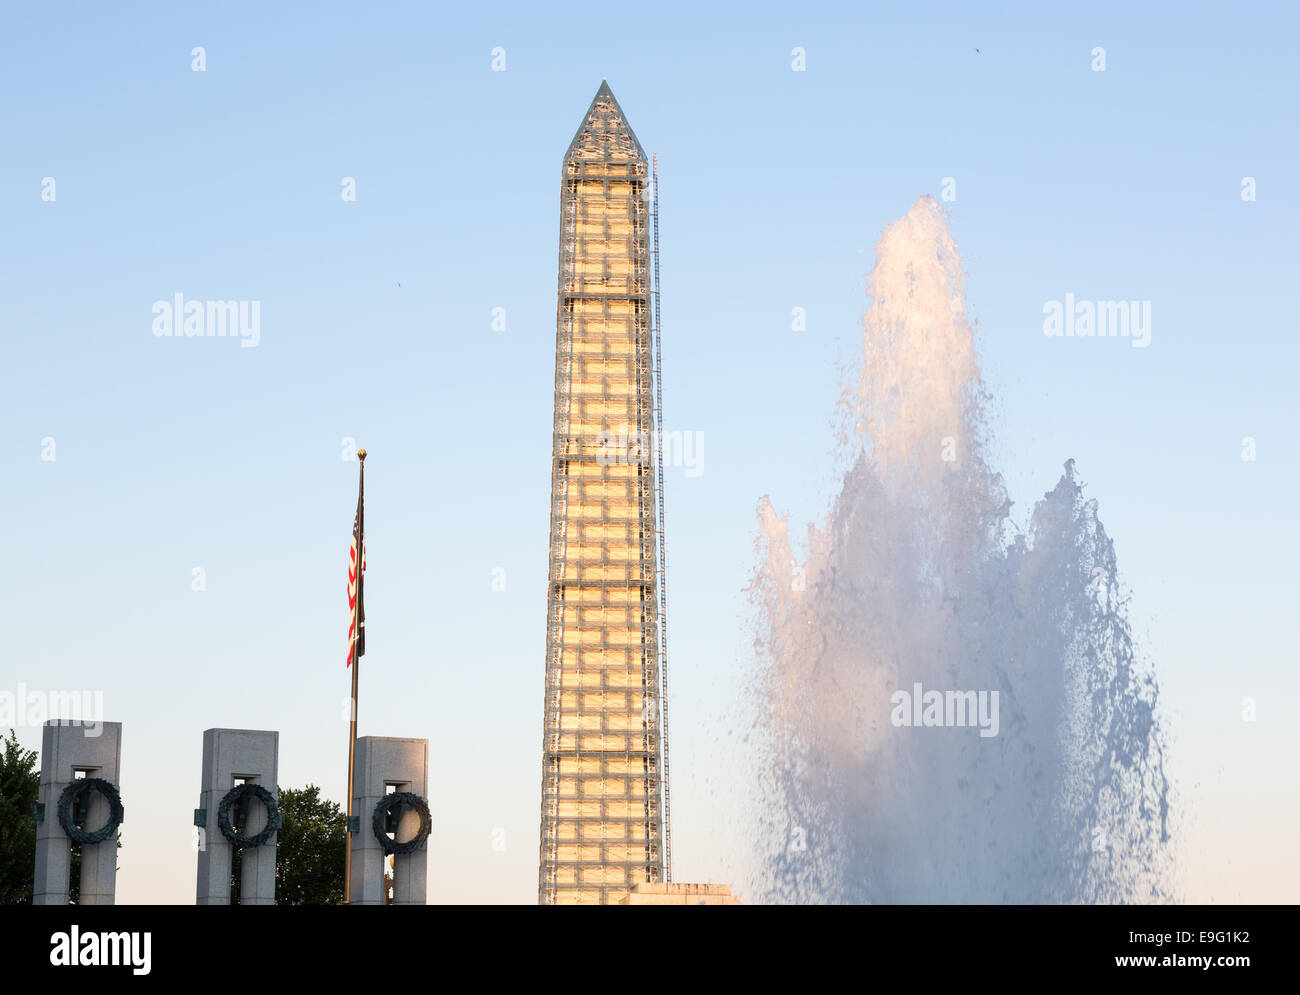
x: 659, y: 515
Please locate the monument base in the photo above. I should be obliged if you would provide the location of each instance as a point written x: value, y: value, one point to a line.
x: 680, y: 894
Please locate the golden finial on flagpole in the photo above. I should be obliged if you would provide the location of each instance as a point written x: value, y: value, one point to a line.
x: 361, y: 455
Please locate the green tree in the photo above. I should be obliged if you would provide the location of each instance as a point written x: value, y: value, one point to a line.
x: 20, y: 784
x: 311, y: 847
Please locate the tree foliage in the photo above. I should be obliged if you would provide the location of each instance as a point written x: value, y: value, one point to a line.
x: 20, y: 783
x: 311, y: 848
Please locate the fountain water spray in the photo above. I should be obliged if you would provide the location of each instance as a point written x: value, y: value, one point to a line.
x: 918, y: 581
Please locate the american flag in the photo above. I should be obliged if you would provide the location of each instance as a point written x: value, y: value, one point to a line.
x: 356, y: 581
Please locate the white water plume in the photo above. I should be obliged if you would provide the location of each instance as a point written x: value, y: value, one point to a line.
x: 918, y: 577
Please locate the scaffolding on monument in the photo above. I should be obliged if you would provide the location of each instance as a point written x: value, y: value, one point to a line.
x: 604, y: 796
x: 659, y: 518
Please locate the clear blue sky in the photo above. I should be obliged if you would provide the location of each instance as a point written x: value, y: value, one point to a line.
x: 225, y: 184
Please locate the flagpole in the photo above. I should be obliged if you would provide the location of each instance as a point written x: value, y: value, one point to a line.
x: 356, y: 642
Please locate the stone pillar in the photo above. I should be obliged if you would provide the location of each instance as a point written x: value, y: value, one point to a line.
x: 247, y: 756
x: 69, y: 749
x: 403, y: 764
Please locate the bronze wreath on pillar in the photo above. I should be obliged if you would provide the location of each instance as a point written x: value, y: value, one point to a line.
x: 232, y: 798
x: 395, y: 803
x: 76, y: 792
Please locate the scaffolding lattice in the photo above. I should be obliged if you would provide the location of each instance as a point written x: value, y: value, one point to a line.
x: 603, y: 781
x: 659, y: 520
